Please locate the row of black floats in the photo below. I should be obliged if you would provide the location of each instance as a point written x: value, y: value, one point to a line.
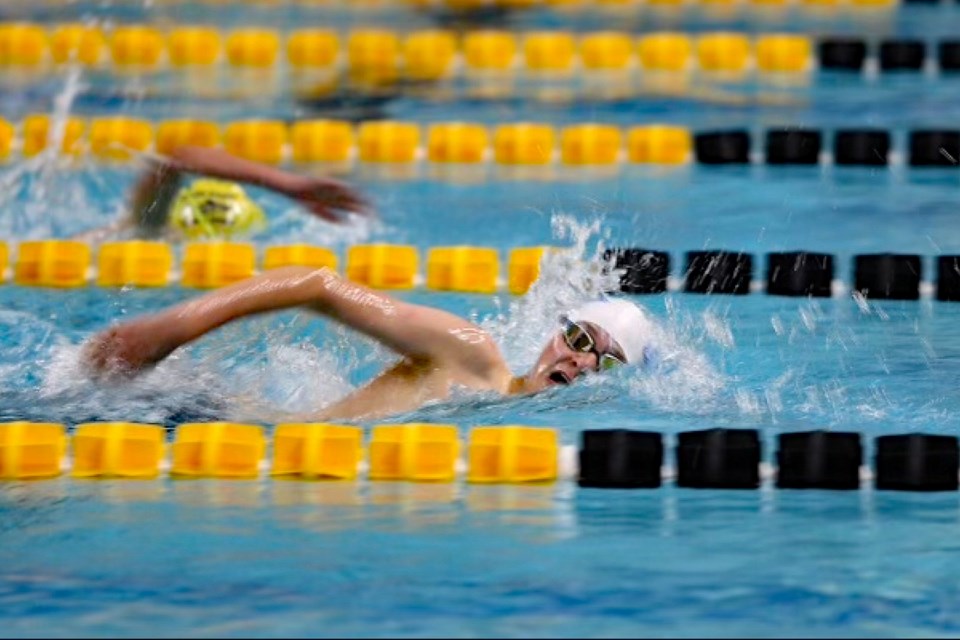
x: 893, y: 54
x: 730, y: 459
x: 879, y: 276
x: 851, y: 147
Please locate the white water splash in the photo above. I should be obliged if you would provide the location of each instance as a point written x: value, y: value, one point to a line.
x: 178, y: 383
x: 292, y: 380
x: 568, y: 278
x: 40, y: 197
x: 682, y: 377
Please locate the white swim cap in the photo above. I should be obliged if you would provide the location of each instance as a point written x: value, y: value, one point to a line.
x: 627, y: 323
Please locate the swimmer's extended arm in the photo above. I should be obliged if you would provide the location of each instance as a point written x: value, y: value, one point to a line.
x: 424, y: 334
x: 157, y: 187
x: 325, y: 197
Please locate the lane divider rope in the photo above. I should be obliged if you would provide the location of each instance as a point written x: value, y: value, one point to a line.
x: 512, y: 454
x: 468, y: 269
x: 528, y: 148
x: 373, y: 58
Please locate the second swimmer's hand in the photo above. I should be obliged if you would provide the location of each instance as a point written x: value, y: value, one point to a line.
x: 129, y: 348
x: 327, y: 198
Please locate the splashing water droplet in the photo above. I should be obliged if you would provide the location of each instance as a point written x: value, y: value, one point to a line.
x: 41, y: 197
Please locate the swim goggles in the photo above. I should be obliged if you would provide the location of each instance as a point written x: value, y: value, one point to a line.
x: 579, y: 339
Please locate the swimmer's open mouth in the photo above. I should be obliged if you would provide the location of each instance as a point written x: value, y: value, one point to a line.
x: 558, y: 377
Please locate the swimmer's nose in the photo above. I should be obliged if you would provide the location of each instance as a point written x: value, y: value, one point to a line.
x: 585, y: 362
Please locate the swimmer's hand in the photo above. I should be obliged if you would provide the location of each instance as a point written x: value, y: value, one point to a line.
x: 327, y: 198
x: 128, y: 349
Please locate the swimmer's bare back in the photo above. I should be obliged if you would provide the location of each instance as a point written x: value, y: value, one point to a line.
x: 438, y: 350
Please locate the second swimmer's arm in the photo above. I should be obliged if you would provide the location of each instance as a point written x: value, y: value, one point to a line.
x: 156, y: 189
x: 324, y: 197
x: 220, y: 164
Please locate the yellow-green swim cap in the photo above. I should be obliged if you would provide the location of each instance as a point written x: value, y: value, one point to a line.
x: 215, y: 210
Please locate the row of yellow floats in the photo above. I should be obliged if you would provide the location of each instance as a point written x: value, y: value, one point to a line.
x: 411, y: 452
x: 67, y: 264
x: 383, y: 56
x: 336, y: 142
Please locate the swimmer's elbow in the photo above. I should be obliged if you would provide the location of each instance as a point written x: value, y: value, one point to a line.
x: 320, y: 284
x: 313, y: 285
x: 283, y: 287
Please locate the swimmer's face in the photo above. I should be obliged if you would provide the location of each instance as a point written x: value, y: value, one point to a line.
x: 561, y: 364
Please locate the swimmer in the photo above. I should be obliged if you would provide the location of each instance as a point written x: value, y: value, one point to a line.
x: 437, y: 351
x: 216, y: 207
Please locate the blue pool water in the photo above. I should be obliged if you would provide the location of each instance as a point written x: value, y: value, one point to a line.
x: 243, y: 558
x: 281, y: 558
